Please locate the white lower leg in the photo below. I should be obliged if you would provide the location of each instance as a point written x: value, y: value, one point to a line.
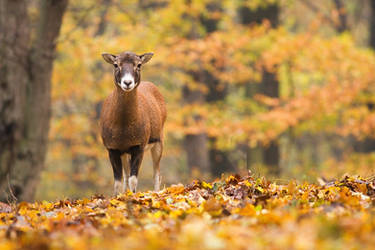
x: 157, y: 181
x: 125, y: 167
x: 117, y: 187
x: 133, y: 183
x: 125, y: 182
x: 156, y: 153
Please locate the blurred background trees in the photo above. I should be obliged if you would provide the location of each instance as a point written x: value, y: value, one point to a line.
x: 279, y: 87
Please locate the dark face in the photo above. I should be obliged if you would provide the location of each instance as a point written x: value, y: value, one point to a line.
x: 127, y: 68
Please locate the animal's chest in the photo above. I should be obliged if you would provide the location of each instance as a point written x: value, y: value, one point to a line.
x: 123, y: 137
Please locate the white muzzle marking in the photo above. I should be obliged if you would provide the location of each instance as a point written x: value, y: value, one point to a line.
x: 125, y: 80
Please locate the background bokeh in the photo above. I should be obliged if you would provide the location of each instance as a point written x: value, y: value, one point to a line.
x: 281, y: 88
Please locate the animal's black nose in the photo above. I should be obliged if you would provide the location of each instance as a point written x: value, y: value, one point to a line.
x: 127, y: 82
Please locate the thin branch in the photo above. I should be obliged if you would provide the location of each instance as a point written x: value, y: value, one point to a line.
x: 309, y: 4
x: 12, y: 196
x: 103, y: 18
x: 80, y: 21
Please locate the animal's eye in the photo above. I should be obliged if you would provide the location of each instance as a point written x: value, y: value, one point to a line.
x: 139, y: 65
x: 116, y: 65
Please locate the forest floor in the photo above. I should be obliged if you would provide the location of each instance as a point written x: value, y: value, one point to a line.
x: 231, y: 213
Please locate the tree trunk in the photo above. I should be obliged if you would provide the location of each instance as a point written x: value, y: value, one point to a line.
x: 269, y: 85
x: 196, y: 145
x: 14, y: 40
x: 219, y: 160
x: 197, y: 154
x: 367, y: 145
x: 343, y: 19
x: 25, y: 99
x: 372, y: 25
x: 200, y: 149
x: 271, y: 152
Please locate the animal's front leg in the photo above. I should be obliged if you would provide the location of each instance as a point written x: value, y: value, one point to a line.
x: 115, y: 158
x: 135, y: 163
x: 125, y: 158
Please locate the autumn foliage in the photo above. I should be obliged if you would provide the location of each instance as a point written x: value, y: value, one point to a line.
x: 214, y: 62
x: 324, y: 78
x: 230, y: 213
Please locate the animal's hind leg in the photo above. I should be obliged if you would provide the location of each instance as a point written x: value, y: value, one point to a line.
x: 125, y: 159
x: 115, y: 158
x: 156, y: 152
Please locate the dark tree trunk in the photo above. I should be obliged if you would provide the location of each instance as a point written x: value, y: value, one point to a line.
x: 196, y: 145
x: 271, y: 152
x: 367, y: 145
x: 269, y: 85
x: 219, y: 159
x: 343, y: 19
x: 196, y: 151
x: 270, y: 13
x: 200, y: 149
x: 372, y: 25
x: 15, y: 34
x: 26, y: 68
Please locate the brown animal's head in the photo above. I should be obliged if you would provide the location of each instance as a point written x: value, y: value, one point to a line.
x: 127, y: 69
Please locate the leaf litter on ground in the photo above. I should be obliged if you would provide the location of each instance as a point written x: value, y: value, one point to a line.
x: 230, y: 213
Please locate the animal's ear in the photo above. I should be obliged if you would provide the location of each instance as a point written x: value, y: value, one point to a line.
x: 146, y: 57
x: 109, y: 58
